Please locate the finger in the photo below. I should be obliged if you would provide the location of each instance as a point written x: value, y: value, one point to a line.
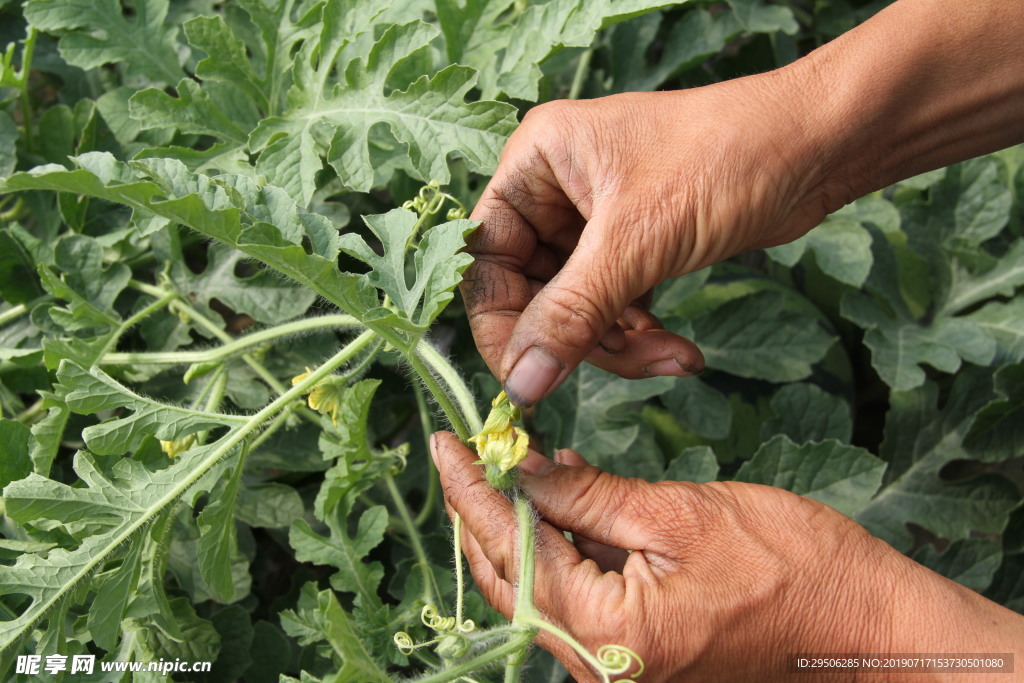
x: 608, y: 558
x: 613, y: 341
x: 508, y: 247
x: 625, y: 513
x: 571, y: 314
x: 498, y: 593
x: 501, y: 596
x: 489, y: 516
x: 652, y: 353
x: 637, y: 317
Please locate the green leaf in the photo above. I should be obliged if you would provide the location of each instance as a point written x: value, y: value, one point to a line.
x: 510, y: 64
x: 842, y: 476
x: 270, y: 654
x: 700, y: 407
x: 971, y: 562
x: 343, y: 85
x: 598, y: 415
x: 430, y: 115
x: 438, y: 262
x: 264, y: 296
x: 1004, y: 323
x: 997, y: 432
x: 216, y: 109
x: 966, y: 288
x: 1008, y: 584
x: 200, y: 641
x: 236, y: 638
x: 841, y: 247
x: 98, y: 32
x: 697, y: 464
x: 756, y: 336
x: 344, y: 552
x: 270, y: 505
x: 8, y: 144
x: 48, y: 433
x: 983, y: 201
x: 89, y: 288
x: 218, y: 542
x: 759, y: 16
x: 920, y: 439
x: 92, y: 391
x: 261, y: 222
x: 899, y: 346
x: 112, y: 598
x: 18, y: 281
x: 115, y: 505
x: 695, y: 36
x: 806, y: 413
x: 319, y: 617
x: 14, y: 444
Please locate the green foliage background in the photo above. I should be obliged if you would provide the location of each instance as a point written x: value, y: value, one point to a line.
x: 199, y: 204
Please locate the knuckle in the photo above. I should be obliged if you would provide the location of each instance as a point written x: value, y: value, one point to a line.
x: 553, y: 113
x: 602, y: 501
x: 575, y: 316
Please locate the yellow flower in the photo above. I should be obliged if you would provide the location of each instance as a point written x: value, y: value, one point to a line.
x: 499, y: 443
x: 326, y: 399
x: 175, y: 448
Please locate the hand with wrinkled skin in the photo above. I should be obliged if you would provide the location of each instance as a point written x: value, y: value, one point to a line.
x: 589, y: 210
x: 721, y: 582
x: 595, y: 202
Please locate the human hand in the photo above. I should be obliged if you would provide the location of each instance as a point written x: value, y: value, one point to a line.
x: 707, y: 582
x: 596, y: 202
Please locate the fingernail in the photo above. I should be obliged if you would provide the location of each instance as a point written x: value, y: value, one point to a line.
x: 670, y: 367
x: 433, y: 450
x: 535, y: 373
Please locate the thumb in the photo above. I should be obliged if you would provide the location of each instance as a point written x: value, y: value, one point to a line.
x: 568, y: 318
x: 615, y: 511
x: 582, y: 314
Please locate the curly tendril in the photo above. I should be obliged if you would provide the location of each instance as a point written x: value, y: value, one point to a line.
x: 405, y: 643
x: 430, y: 198
x: 433, y: 620
x: 616, y: 659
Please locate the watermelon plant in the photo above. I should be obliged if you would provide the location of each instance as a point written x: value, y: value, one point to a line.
x: 230, y: 233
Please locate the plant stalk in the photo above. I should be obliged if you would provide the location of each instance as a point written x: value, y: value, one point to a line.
x: 233, y: 347
x: 429, y: 581
x: 12, y: 313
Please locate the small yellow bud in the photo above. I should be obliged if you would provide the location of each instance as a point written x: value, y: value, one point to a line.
x: 326, y: 400
x: 499, y: 443
x: 175, y: 448
x: 298, y: 378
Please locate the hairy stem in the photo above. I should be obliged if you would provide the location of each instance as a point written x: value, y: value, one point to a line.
x: 30, y: 413
x: 519, y: 641
x: 524, y: 591
x: 221, y: 448
x: 460, y: 580
x: 448, y: 407
x: 152, y: 308
x: 431, y: 591
x: 450, y: 376
x: 234, y: 347
x: 433, y: 485
x: 538, y: 623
